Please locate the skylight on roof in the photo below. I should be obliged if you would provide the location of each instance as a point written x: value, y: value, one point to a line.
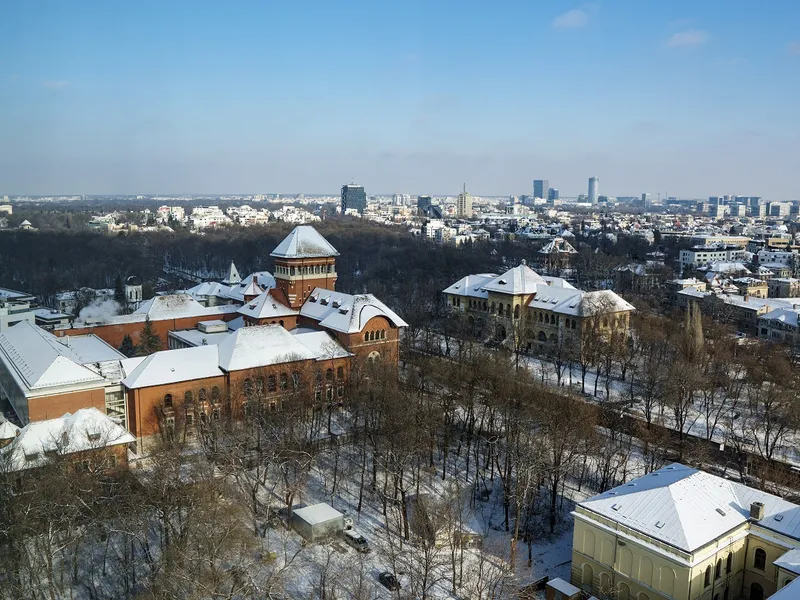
x: 778, y: 517
x: 720, y: 511
x: 615, y: 506
x: 659, y: 524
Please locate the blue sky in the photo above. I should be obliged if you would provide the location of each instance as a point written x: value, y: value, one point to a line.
x: 681, y: 97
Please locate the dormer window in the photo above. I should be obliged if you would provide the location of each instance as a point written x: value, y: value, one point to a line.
x: 324, y: 301
x: 335, y: 304
x: 94, y: 437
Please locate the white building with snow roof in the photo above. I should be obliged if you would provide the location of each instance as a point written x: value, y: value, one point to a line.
x: 679, y: 533
x: 529, y: 311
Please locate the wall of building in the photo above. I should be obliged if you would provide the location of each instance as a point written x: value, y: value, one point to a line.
x: 145, y: 404
x: 50, y: 407
x: 291, y: 277
x: 113, y: 334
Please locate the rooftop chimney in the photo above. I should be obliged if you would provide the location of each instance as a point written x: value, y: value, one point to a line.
x: 757, y: 511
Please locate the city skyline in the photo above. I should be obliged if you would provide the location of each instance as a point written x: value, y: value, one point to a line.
x: 115, y: 99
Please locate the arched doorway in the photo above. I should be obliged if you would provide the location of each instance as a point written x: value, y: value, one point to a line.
x: 587, y: 577
x: 756, y: 591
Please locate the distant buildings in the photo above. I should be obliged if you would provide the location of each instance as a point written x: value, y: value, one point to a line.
x: 354, y: 198
x: 541, y: 188
x: 552, y: 194
x: 594, y: 183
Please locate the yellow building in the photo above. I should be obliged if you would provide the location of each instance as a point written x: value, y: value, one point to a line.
x: 533, y: 312
x: 682, y: 534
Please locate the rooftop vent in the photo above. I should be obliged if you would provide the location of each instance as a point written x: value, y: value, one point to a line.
x: 659, y: 524
x: 615, y: 506
x: 335, y: 304
x: 324, y: 301
x: 502, y: 282
x: 778, y: 517
x: 720, y: 511
x: 757, y: 511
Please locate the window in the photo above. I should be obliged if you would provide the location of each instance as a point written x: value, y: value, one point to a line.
x: 271, y: 383
x: 729, y: 563
x: 366, y: 337
x: 760, y: 559
x: 340, y: 373
x: 215, y: 414
x: 284, y: 381
x: 329, y: 375
x: 718, y: 569
x: 383, y: 334
x: 329, y: 394
x: 167, y: 400
x: 188, y: 396
x: 214, y: 394
x: 189, y: 419
x: 340, y: 392
x: 248, y: 387
x: 707, y: 578
x: 202, y: 395
x: 296, y: 379
x: 260, y: 386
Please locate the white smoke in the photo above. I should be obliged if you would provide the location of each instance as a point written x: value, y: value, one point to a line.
x: 100, y: 311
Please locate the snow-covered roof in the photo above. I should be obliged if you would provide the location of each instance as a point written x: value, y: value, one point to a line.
x: 86, y: 429
x: 171, y: 366
x: 171, y: 306
x: 569, y: 301
x: 471, y: 285
x: 518, y: 280
x: 564, y: 587
x: 233, y: 275
x: 260, y: 346
x: 264, y: 279
x: 789, y: 316
x: 558, y: 245
x: 344, y: 312
x: 252, y: 290
x: 37, y: 359
x: 8, y: 430
x: 321, y: 343
x: 304, y: 242
x: 790, y: 561
x: 558, y: 282
x: 688, y: 508
x: 208, y: 288
x: 195, y: 337
x: 727, y: 267
x: 317, y: 513
x: 266, y: 306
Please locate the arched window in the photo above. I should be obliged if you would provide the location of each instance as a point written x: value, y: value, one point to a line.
x: 329, y: 375
x: 374, y: 357
x: 296, y: 379
x: 484, y: 306
x: 260, y: 385
x: 729, y: 563
x: 371, y: 336
x: 329, y: 394
x: 366, y: 337
x: 707, y: 577
x: 540, y: 317
x: 573, y: 323
x: 760, y: 559
x: 383, y: 334
x: 188, y: 396
x: 202, y: 395
x: 493, y: 308
x: 248, y: 387
x: 214, y: 393
x: 318, y: 378
x: 516, y: 311
x: 340, y: 373
x: 542, y: 336
x: 508, y: 310
x: 272, y: 384
x: 718, y: 569
x: 284, y: 381
x: 167, y: 400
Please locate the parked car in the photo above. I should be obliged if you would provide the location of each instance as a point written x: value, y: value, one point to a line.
x: 389, y: 581
x: 355, y: 540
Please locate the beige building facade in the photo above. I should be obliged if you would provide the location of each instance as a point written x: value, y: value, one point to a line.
x: 682, y: 534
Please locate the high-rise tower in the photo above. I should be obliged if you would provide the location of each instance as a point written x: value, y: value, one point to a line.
x: 594, y: 183
x: 464, y: 204
x: 354, y: 196
x: 541, y: 188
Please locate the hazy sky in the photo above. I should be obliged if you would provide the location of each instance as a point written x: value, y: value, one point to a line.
x: 684, y: 97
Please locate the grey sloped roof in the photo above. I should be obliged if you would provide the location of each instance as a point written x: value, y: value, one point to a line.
x: 345, y: 312
x: 519, y: 280
x: 688, y: 508
x: 304, y: 242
